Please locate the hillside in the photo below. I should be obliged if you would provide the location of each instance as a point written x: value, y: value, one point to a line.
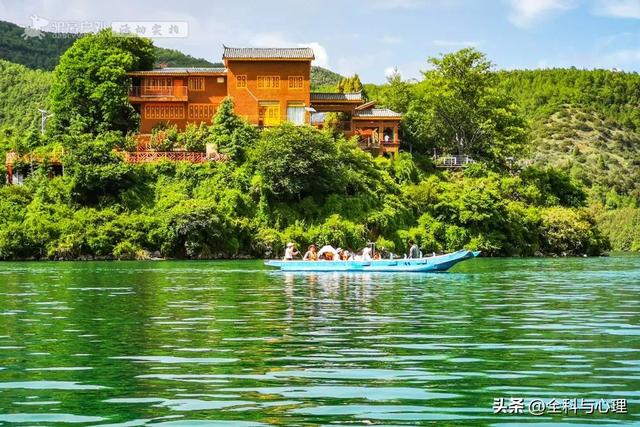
x: 323, y: 79
x: 602, y: 154
x: 44, y: 53
x: 584, y: 122
x: 23, y: 92
x: 37, y: 53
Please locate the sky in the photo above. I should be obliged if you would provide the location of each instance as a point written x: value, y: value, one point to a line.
x: 371, y: 37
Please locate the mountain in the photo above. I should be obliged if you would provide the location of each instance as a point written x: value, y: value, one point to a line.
x: 44, y: 52
x: 175, y: 58
x: 323, y: 79
x: 33, y: 52
x: 586, y: 122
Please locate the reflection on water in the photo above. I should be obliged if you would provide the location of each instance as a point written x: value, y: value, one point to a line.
x: 233, y: 344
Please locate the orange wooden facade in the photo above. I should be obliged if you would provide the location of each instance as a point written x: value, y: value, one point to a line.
x: 267, y: 85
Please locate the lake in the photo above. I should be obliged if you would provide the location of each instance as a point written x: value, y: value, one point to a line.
x: 229, y: 343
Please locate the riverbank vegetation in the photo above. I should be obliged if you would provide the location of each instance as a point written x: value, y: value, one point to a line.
x: 306, y: 185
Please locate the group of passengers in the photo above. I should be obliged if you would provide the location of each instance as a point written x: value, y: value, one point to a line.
x: 340, y: 254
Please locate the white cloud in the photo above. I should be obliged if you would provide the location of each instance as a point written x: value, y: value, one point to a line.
x: 397, y: 4
x: 390, y: 71
x: 456, y: 43
x: 619, y: 8
x: 525, y: 12
x: 277, y: 39
x: 322, y: 57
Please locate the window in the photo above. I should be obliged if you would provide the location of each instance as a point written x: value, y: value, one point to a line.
x: 270, y: 113
x: 196, y: 84
x: 268, y: 82
x: 241, y: 81
x: 295, y: 82
x: 220, y: 79
x: 296, y: 112
x: 201, y: 111
x: 160, y: 111
x: 157, y: 82
x: 157, y: 86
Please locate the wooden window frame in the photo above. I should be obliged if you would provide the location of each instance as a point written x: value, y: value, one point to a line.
x: 241, y: 81
x: 268, y: 82
x: 164, y: 112
x: 191, y: 84
x: 296, y: 82
x: 200, y: 111
x: 157, y: 82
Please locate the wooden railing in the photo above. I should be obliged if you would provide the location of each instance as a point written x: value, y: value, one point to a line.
x: 453, y: 161
x: 158, y: 92
x: 175, y: 156
x: 373, y: 143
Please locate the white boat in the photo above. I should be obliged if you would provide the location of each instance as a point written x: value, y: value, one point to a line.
x: 418, y: 265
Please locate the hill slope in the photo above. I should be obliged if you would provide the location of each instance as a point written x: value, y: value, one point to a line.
x: 323, y: 79
x: 44, y: 53
x: 23, y: 92
x: 584, y: 121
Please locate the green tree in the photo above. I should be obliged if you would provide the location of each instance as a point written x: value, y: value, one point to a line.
x: 231, y: 134
x: 351, y: 84
x: 459, y: 108
x: 295, y: 161
x: 396, y: 93
x: 90, y: 82
x: 98, y: 173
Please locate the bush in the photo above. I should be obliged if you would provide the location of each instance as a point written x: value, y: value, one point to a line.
x: 568, y: 231
x: 295, y: 161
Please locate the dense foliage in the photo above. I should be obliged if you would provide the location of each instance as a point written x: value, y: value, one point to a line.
x: 330, y: 193
x: 42, y: 50
x: 23, y: 91
x: 90, y: 83
x: 293, y: 183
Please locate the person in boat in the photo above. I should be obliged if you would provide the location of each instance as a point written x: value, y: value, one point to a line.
x: 376, y: 255
x: 327, y: 256
x: 343, y: 255
x: 414, y: 250
x: 366, y: 254
x: 312, y: 253
x: 290, y: 252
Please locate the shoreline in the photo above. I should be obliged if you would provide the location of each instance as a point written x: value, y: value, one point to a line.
x: 249, y: 258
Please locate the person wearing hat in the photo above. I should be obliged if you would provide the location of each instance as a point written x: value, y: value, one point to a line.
x: 312, y: 254
x: 290, y: 252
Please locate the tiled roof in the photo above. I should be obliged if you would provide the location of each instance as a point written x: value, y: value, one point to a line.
x: 184, y: 70
x: 377, y: 112
x: 325, y: 96
x: 267, y: 53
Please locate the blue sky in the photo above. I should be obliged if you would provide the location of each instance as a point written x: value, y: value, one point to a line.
x: 371, y: 37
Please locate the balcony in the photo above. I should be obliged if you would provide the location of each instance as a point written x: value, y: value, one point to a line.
x: 373, y: 144
x: 459, y: 161
x: 158, y: 93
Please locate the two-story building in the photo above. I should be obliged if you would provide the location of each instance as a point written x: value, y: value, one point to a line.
x: 268, y: 86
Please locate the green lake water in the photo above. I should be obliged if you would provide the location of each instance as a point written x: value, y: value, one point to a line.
x: 233, y: 344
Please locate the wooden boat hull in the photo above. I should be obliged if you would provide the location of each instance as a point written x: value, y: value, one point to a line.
x: 420, y: 265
